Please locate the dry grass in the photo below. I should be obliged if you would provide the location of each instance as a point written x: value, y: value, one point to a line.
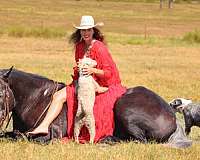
x: 71, y: 151
x: 169, y: 69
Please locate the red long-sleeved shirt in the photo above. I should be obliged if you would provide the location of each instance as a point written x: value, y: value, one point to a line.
x: 101, y: 55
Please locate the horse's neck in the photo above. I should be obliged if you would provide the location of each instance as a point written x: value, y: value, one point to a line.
x: 26, y: 85
x: 32, y: 94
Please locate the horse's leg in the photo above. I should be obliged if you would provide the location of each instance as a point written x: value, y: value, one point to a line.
x: 55, y: 108
x: 136, y: 133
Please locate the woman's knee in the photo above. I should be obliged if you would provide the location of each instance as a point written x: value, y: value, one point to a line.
x: 60, y: 95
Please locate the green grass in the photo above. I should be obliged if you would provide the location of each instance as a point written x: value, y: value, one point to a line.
x: 41, y: 32
x: 192, y: 37
x: 51, y: 33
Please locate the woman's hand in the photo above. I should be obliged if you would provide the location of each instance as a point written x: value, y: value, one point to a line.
x: 91, y: 70
x: 88, y: 70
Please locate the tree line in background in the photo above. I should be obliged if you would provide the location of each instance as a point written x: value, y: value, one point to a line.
x: 155, y: 1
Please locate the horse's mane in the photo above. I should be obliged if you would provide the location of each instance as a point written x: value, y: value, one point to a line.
x: 27, y: 75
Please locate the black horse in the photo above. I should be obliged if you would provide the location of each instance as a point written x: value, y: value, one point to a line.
x: 140, y: 114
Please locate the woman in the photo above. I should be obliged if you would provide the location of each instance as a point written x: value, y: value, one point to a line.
x: 89, y: 42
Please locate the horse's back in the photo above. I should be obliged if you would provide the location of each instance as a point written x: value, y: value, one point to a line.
x: 143, y: 115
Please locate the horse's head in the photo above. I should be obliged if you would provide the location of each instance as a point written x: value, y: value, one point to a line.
x: 7, y: 100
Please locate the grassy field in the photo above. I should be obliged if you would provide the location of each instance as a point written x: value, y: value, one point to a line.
x: 146, y: 43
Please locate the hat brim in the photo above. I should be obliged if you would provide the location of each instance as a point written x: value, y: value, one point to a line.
x: 88, y: 27
x: 84, y: 27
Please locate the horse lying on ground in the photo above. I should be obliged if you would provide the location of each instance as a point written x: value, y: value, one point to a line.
x: 140, y: 114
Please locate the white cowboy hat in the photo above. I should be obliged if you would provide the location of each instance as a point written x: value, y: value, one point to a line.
x: 88, y: 22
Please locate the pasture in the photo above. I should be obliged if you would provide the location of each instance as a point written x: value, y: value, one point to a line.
x: 147, y: 44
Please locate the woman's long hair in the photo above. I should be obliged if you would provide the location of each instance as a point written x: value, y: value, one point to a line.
x: 76, y: 36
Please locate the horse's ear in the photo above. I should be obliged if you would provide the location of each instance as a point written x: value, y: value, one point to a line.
x: 6, y: 74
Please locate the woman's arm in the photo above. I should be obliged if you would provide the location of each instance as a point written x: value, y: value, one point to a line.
x: 105, y: 62
x: 90, y: 70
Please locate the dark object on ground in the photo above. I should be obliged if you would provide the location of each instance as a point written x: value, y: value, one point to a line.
x: 190, y: 110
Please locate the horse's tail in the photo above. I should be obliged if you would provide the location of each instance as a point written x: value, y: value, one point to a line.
x: 179, y: 139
